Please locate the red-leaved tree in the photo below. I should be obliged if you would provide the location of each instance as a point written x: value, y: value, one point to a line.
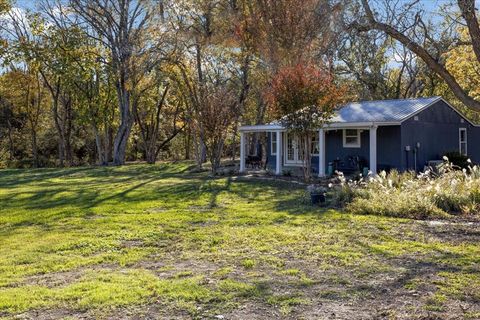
x: 304, y: 97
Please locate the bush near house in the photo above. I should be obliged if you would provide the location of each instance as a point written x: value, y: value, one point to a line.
x: 458, y: 159
x: 451, y: 192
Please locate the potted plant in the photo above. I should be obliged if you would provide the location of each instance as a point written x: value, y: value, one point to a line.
x: 317, y: 193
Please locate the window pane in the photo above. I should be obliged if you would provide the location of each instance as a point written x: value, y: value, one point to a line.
x: 351, y: 140
x: 290, y: 149
x: 351, y: 132
x: 314, y: 148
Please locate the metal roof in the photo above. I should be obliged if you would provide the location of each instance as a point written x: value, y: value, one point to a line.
x: 381, y: 110
x: 368, y: 113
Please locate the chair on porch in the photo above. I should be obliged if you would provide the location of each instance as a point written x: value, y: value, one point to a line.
x: 350, y: 164
x: 255, y: 159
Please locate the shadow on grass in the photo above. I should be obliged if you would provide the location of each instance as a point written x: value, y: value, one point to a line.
x: 43, y: 196
x: 417, y: 266
x: 15, y: 178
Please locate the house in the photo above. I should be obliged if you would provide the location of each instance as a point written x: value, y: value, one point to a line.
x: 379, y: 135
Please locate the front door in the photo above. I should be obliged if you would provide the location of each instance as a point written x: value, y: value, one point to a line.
x: 293, y: 155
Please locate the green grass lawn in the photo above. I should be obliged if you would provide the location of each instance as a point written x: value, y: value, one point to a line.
x: 161, y: 242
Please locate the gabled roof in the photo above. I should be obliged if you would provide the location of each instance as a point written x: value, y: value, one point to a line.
x: 382, y: 110
x: 368, y: 113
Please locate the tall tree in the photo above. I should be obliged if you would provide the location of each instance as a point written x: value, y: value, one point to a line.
x: 304, y: 98
x: 404, y: 22
x: 123, y: 27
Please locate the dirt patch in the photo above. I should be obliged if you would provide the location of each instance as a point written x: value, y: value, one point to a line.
x: 54, y: 279
x: 131, y: 243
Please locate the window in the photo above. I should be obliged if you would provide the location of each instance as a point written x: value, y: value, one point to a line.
x: 351, y: 138
x: 314, y: 149
x: 292, y: 150
x: 293, y: 154
x: 462, y: 139
x: 273, y: 143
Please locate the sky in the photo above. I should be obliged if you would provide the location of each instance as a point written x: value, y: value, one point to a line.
x: 429, y: 5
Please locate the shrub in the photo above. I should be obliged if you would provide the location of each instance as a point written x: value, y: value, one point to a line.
x: 427, y: 195
x: 457, y: 159
x: 29, y: 163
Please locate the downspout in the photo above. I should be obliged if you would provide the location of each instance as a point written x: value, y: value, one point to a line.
x: 415, y: 159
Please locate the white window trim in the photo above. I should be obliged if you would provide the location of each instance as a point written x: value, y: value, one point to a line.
x: 273, y: 151
x: 460, y: 141
x: 297, y: 161
x: 352, y: 145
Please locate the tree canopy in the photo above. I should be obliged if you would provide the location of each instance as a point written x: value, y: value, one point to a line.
x: 110, y: 81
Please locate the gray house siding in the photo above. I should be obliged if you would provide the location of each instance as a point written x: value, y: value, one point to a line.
x: 437, y: 132
x: 334, y: 149
x: 388, y: 147
x: 473, y: 143
x: 389, y: 151
x: 388, y: 144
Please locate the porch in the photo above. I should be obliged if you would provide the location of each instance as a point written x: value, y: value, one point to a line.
x: 335, y: 147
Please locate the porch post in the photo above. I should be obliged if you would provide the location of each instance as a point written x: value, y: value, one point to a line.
x: 321, y: 153
x: 242, y: 151
x: 373, y: 149
x: 278, y: 166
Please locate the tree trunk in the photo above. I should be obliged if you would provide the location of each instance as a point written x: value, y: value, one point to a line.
x: 216, y: 155
x: 120, y: 142
x: 68, y: 127
x: 61, y: 152
x: 56, y: 117
x: 11, y: 145
x: 108, y: 144
x: 305, y: 143
x: 34, y: 149
x: 150, y: 155
x: 61, y: 137
x: 99, y: 146
x: 199, y: 148
x: 126, y: 121
x: 187, y: 143
x: 423, y: 54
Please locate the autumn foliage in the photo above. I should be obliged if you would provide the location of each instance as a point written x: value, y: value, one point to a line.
x: 303, y: 96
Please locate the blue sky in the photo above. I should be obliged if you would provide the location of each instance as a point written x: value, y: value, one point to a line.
x: 430, y: 5
x: 26, y: 3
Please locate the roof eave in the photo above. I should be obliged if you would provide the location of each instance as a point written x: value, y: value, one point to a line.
x: 332, y: 125
x: 261, y: 128
x: 368, y: 124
